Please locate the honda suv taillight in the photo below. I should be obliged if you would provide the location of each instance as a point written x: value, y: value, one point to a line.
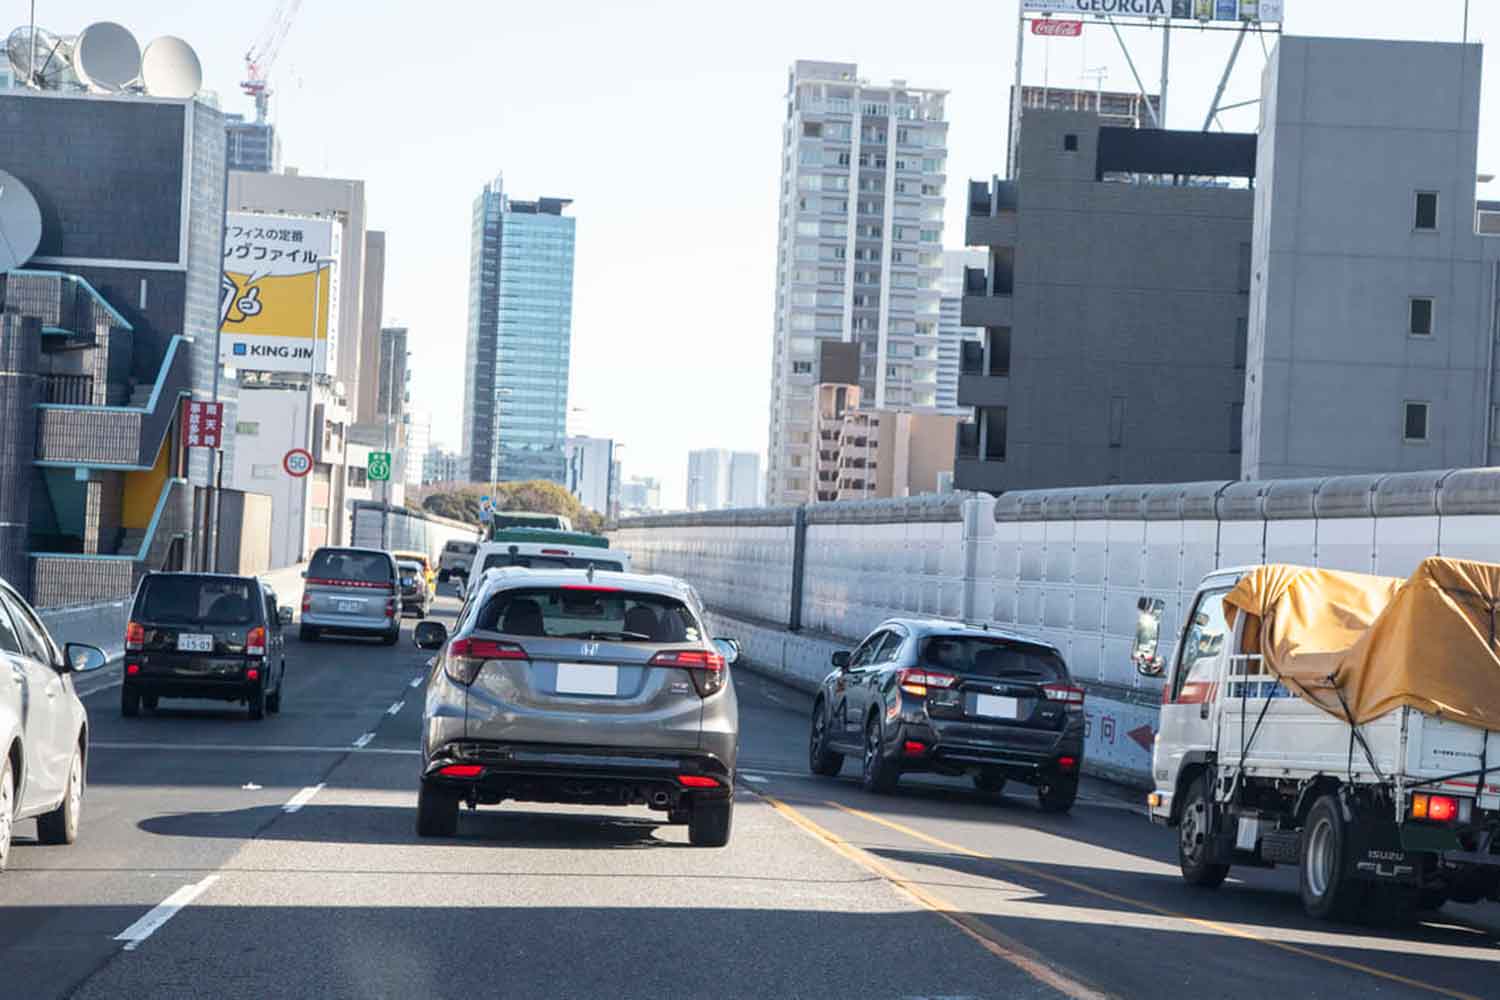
x: 706, y: 668
x: 916, y: 682
x: 1070, y: 696
x: 135, y: 636
x: 466, y: 656
x: 255, y: 641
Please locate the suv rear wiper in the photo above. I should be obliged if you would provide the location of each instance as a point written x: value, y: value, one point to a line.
x: 631, y: 636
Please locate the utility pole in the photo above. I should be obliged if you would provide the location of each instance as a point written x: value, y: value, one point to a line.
x: 390, y: 411
x: 312, y: 365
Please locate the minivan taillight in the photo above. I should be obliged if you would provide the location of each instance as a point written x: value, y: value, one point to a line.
x: 466, y: 656
x: 255, y: 641
x: 306, y: 603
x: 916, y: 682
x: 706, y: 668
x: 1070, y: 696
x: 135, y: 636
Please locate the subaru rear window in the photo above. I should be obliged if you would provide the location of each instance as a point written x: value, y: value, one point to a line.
x: 998, y: 658
x: 345, y: 564
x: 585, y: 612
x: 197, y: 600
x: 551, y: 562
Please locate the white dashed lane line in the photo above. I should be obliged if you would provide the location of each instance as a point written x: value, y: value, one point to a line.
x: 366, y: 738
x: 416, y: 681
x: 302, y: 798
x: 395, y: 708
x: 162, y: 912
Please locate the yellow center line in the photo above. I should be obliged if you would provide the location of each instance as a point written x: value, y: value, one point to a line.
x: 987, y: 937
x: 1021, y: 868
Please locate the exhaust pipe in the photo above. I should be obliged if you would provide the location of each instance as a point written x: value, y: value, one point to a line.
x: 660, y: 798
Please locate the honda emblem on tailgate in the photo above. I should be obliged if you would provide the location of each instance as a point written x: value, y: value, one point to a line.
x: 591, y: 649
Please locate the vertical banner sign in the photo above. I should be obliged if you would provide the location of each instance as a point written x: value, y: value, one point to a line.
x: 278, y: 271
x: 203, y: 423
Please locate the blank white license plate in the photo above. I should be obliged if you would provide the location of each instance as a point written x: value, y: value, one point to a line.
x: 996, y: 707
x: 351, y: 607
x: 194, y: 642
x: 587, y: 678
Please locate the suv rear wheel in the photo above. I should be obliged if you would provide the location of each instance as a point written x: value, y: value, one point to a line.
x: 130, y: 701
x: 437, y: 811
x: 709, y: 822
x: 989, y: 783
x: 879, y: 775
x: 257, y: 707
x: 1057, y: 795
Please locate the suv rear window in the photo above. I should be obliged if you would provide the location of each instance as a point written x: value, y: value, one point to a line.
x: 998, y: 658
x: 589, y: 613
x: 347, y: 564
x: 550, y: 562
x: 197, y: 600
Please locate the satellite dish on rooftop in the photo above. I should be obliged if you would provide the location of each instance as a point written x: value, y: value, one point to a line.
x: 170, y: 68
x: 20, y: 223
x: 42, y: 61
x: 107, y: 57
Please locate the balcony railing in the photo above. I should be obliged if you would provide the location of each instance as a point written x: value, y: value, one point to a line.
x: 68, y: 390
x: 122, y: 437
x: 66, y: 304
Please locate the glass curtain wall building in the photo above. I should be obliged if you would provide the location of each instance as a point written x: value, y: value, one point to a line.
x: 520, y: 333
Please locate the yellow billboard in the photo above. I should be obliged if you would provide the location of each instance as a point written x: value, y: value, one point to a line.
x: 279, y: 294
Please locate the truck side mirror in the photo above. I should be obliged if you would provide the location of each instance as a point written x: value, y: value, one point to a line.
x: 1148, y: 637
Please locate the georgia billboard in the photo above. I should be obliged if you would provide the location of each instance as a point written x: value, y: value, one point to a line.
x: 278, y: 271
x: 1195, y: 10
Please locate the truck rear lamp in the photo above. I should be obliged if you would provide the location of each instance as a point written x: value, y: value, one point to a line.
x: 466, y: 656
x: 916, y: 682
x: 705, y: 667
x: 1154, y: 800
x: 135, y: 636
x: 255, y: 641
x: 1440, y: 808
x: 1071, y: 697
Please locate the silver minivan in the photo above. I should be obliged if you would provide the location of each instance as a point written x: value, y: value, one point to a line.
x: 568, y: 685
x: 351, y: 592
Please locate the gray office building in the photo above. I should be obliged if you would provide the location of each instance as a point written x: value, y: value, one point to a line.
x: 252, y: 146
x: 520, y: 337
x: 1114, y: 308
x: 1372, y: 309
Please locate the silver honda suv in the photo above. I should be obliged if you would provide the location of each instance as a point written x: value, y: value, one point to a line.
x: 581, y: 687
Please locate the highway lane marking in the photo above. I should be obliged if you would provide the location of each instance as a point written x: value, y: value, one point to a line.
x: 358, y: 747
x: 302, y: 798
x: 396, y: 707
x: 757, y: 779
x: 416, y: 681
x: 991, y: 940
x: 161, y: 913
x: 1021, y: 868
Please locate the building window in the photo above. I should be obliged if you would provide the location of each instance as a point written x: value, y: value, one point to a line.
x: 1070, y: 142
x: 319, y: 517
x: 1416, y: 421
x: 1241, y: 342
x: 1427, y: 208
x: 999, y: 345
x: 1117, y: 422
x: 1236, y: 427
x: 801, y: 367
x: 249, y: 428
x: 358, y: 476
x: 994, y: 426
x: 1421, y: 317
x: 812, y: 130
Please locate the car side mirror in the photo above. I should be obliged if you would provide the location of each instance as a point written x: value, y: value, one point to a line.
x: 285, y: 615
x: 80, y: 658
x: 429, y: 635
x: 1148, y: 637
x: 303, y: 574
x: 841, y: 659
x: 729, y: 649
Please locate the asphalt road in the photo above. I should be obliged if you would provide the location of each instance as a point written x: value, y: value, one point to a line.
x: 227, y: 858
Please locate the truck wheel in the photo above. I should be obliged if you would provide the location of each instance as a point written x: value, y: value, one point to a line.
x: 1192, y: 839
x: 820, y: 759
x: 1328, y: 893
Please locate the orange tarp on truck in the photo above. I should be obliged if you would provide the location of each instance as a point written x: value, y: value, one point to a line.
x: 1426, y: 642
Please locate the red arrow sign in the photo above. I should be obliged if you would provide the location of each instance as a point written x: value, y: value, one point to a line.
x: 1144, y: 735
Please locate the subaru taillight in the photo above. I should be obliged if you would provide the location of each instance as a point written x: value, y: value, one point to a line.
x: 135, y: 636
x: 915, y: 682
x: 706, y: 668
x: 466, y: 656
x: 1070, y: 696
x: 255, y: 641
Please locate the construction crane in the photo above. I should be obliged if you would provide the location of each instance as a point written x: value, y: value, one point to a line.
x: 262, y: 55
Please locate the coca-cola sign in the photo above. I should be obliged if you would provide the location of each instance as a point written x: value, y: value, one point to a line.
x: 1054, y: 28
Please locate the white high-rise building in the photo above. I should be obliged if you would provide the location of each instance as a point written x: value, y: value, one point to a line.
x: 859, y: 255
x: 589, y: 472
x: 418, y: 441
x: 951, y: 332
x: 719, y: 478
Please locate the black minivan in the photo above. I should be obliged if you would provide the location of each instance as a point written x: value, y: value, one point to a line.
x: 204, y: 635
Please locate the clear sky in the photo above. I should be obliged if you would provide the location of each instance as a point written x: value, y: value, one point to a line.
x: 660, y: 118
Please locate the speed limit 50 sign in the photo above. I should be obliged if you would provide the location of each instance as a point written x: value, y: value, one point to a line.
x: 298, y: 462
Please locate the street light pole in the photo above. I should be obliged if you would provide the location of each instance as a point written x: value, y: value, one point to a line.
x: 312, y: 365
x: 390, y: 412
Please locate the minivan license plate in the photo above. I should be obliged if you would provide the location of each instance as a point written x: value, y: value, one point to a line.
x: 587, y: 678
x: 996, y: 707
x: 351, y: 607
x: 195, y: 642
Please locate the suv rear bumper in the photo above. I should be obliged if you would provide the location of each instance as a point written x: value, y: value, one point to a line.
x: 1029, y: 763
x: 546, y: 772
x: 208, y: 688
